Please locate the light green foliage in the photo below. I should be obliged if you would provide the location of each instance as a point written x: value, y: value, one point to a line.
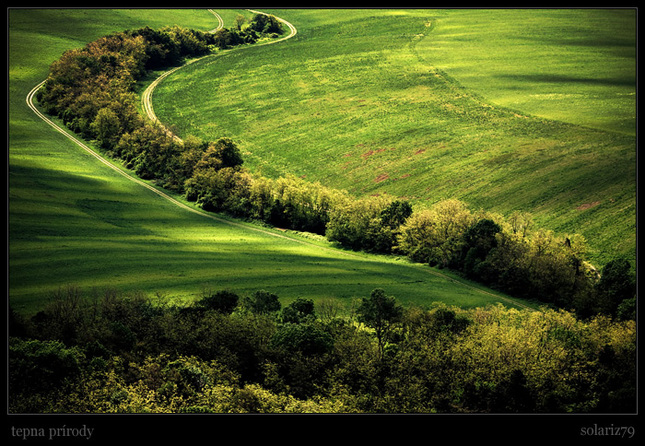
x: 434, y: 235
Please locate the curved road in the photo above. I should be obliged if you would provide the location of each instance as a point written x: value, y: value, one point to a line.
x: 150, y: 112
x: 146, y: 97
x: 30, y: 103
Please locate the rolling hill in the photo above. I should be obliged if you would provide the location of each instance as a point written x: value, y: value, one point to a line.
x: 530, y: 110
x: 76, y: 221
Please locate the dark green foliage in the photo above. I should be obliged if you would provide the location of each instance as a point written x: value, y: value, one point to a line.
x: 299, y: 311
x: 617, y: 378
x: 91, y: 89
x: 370, y: 224
x: 266, y: 24
x: 510, y: 395
x: 479, y: 240
x: 37, y: 365
x: 17, y: 324
x: 380, y: 312
x: 616, y: 284
x: 127, y: 355
x: 263, y: 302
x: 220, y: 154
x: 613, y: 294
x: 307, y: 339
x: 223, y: 301
x: 168, y: 47
x: 445, y: 320
x: 226, y: 38
x: 627, y: 309
x: 395, y: 214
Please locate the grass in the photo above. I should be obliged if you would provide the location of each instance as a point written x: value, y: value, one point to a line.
x: 530, y: 110
x: 82, y: 224
x: 572, y: 65
x: 73, y: 220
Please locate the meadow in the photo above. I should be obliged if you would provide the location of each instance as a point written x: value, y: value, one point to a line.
x: 530, y: 110
x: 74, y: 221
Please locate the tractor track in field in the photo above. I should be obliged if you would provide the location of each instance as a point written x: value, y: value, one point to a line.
x: 131, y: 177
x: 147, y: 107
x: 146, y: 96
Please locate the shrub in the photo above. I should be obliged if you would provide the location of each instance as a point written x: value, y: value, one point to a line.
x: 223, y: 301
x: 41, y: 365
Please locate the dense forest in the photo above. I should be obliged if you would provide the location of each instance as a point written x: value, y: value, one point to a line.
x: 106, y: 353
x: 230, y: 353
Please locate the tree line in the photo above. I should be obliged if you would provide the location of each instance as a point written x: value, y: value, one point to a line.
x: 92, y: 90
x: 106, y: 352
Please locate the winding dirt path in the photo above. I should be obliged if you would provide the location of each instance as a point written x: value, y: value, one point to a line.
x: 150, y: 112
x: 220, y: 21
x: 146, y: 97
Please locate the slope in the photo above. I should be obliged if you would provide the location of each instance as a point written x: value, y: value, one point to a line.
x: 365, y: 100
x: 76, y: 219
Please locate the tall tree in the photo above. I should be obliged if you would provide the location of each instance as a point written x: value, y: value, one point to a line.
x: 380, y: 312
x: 616, y: 284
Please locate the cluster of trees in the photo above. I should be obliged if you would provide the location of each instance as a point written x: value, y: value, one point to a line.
x: 248, y: 32
x: 506, y: 253
x: 226, y: 353
x: 512, y: 255
x: 91, y: 89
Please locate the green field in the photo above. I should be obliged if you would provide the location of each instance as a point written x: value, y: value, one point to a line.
x: 530, y: 110
x: 75, y: 221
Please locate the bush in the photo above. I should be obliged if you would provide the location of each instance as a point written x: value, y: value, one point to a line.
x: 263, y: 302
x: 266, y: 24
x: 41, y: 365
x: 223, y: 301
x: 299, y: 311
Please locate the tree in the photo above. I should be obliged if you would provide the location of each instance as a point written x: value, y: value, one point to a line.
x: 615, y: 285
x: 41, y: 365
x: 263, y: 302
x: 358, y: 224
x: 436, y: 235
x: 239, y: 21
x: 107, y: 128
x: 479, y: 240
x: 220, y: 154
x: 301, y: 352
x: 307, y: 339
x: 223, y: 301
x: 222, y: 38
x: 380, y: 312
x: 396, y: 213
x: 298, y: 311
x: 266, y: 24
x: 192, y: 151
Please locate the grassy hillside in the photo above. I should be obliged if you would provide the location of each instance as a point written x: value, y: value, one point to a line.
x: 528, y: 110
x: 73, y: 220
x: 572, y: 65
